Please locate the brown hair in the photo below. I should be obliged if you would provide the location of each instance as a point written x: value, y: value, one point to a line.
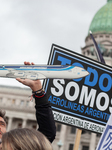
x: 25, y: 139
x: 2, y: 114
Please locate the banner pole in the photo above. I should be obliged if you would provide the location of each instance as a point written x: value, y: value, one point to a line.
x: 77, y: 139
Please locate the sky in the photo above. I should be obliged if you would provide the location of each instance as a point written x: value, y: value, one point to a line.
x: 28, y: 28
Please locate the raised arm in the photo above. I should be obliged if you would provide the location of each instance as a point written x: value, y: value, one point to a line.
x: 44, y: 113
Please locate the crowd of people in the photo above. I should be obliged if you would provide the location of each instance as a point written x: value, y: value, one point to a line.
x: 30, y: 139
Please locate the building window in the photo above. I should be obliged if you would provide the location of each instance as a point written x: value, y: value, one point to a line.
x: 34, y: 127
x: 19, y: 125
x: 107, y: 36
x: 22, y: 103
x: 27, y: 103
x: 88, y: 52
x: 58, y: 128
x: 84, y: 131
x: 0, y: 99
x: 73, y: 130
x: 85, y: 148
x: 13, y: 101
x: 71, y: 146
x: 98, y: 135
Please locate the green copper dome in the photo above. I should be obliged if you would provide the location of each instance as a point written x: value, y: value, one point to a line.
x: 102, y: 21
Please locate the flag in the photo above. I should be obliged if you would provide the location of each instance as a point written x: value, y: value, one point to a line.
x: 97, y: 50
x: 105, y: 142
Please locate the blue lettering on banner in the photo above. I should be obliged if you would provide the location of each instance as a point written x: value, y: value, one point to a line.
x: 66, y: 104
x: 97, y: 113
x: 109, y: 83
x: 97, y: 79
x: 64, y: 61
x: 78, y: 108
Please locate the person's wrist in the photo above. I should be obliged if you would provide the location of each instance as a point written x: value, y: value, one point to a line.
x: 39, y: 94
x: 36, y: 87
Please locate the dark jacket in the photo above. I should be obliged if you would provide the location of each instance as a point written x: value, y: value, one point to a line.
x: 45, y: 117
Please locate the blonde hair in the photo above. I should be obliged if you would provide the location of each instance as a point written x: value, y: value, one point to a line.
x: 25, y: 139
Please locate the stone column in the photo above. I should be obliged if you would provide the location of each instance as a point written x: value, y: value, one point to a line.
x: 92, y: 141
x: 24, y: 123
x: 63, y: 136
x: 9, y: 124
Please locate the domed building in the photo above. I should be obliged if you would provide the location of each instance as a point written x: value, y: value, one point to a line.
x: 101, y: 27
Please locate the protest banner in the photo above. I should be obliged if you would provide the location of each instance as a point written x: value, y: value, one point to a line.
x: 86, y: 102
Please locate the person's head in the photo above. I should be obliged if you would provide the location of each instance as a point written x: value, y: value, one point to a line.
x: 25, y: 139
x: 2, y: 123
